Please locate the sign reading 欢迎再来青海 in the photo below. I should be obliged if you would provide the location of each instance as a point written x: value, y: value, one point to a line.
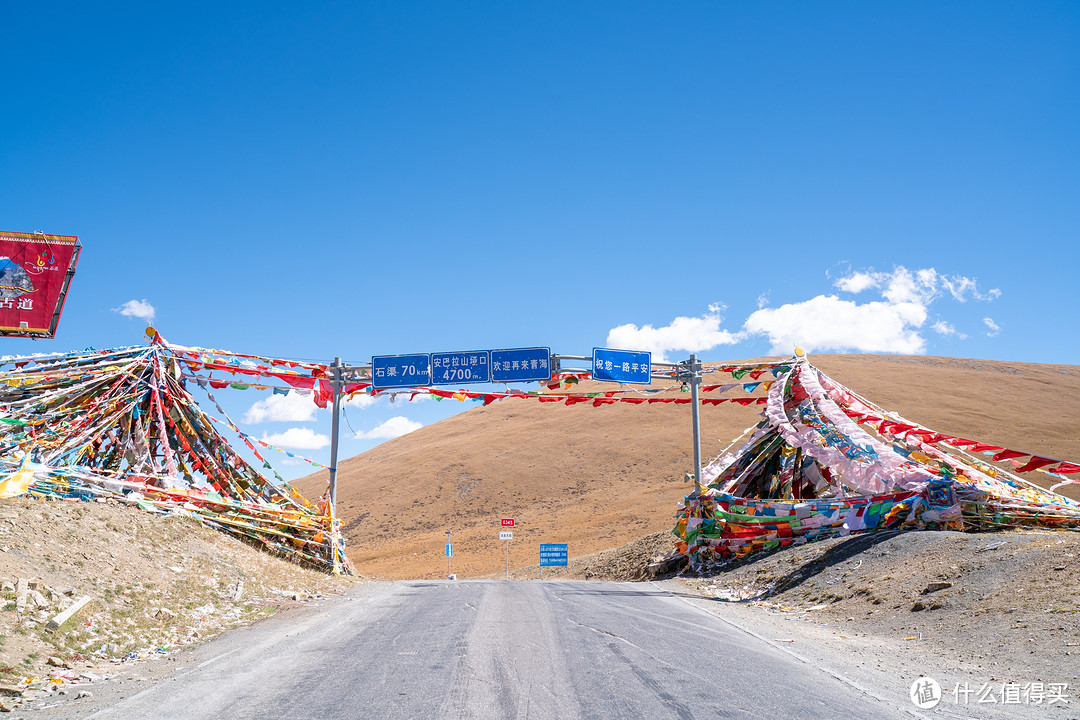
x: 35, y: 271
x: 521, y: 365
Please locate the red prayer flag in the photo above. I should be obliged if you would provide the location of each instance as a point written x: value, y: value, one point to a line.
x: 1035, y: 463
x: 297, y: 381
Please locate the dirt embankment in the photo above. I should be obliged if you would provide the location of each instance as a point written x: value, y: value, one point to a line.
x: 966, y: 595
x: 155, y: 585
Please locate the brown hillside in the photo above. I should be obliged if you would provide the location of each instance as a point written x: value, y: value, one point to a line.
x: 597, y: 478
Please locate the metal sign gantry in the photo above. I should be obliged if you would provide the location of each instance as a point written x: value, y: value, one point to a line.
x: 536, y: 364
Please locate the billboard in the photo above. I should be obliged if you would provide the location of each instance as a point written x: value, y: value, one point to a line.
x: 35, y: 271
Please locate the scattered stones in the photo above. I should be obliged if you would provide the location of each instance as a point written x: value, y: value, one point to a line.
x: 238, y: 591
x: 140, y: 611
x: 935, y: 586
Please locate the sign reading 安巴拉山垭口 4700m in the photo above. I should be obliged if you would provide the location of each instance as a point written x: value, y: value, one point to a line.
x: 35, y: 271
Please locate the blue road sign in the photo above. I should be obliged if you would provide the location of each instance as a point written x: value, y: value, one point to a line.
x: 391, y: 371
x: 521, y: 365
x: 449, y: 550
x: 552, y: 554
x: 453, y: 368
x: 623, y: 366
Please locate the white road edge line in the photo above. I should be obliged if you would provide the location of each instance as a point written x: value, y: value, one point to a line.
x: 204, y: 663
x: 787, y: 650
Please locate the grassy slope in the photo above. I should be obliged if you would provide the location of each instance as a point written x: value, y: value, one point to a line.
x: 601, y: 477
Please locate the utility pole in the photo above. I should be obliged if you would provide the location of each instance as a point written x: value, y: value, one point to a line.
x: 690, y: 371
x: 336, y: 386
x: 449, y: 553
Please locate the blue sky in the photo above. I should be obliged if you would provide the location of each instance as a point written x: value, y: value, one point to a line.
x: 354, y: 179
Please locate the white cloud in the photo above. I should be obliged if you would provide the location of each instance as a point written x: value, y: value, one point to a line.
x: 923, y: 286
x: 992, y: 326
x: 684, y: 333
x: 856, y: 282
x: 293, y: 407
x: 892, y: 324
x: 137, y: 308
x: 947, y: 329
x: 943, y: 328
x: 392, y: 428
x: 300, y: 438
x: 361, y: 400
x: 828, y: 323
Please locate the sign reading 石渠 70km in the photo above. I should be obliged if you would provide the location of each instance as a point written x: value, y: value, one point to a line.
x: 622, y: 366
x: 391, y: 371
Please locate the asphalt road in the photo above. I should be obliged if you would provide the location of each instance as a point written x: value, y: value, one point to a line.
x: 499, y: 649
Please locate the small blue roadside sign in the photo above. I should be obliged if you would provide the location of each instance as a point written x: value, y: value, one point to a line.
x: 552, y: 554
x: 521, y: 365
x: 452, y: 368
x: 449, y: 550
x: 622, y: 366
x: 391, y: 371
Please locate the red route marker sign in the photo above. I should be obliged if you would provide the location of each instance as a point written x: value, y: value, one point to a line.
x: 508, y: 522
